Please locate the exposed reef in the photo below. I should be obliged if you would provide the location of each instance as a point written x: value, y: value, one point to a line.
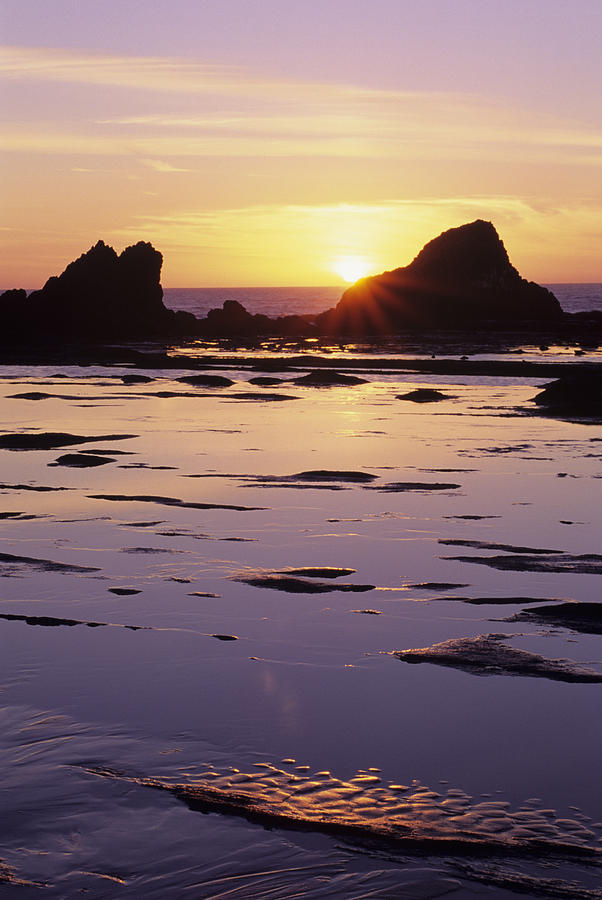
x: 487, y: 654
x: 577, y: 395
x: 49, y: 440
x: 583, y: 617
x: 461, y: 280
x: 289, y: 583
x: 424, y: 395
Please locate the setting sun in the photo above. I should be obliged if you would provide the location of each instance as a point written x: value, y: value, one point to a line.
x: 351, y: 268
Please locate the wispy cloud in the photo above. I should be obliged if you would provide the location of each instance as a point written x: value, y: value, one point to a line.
x: 159, y: 165
x: 239, y: 113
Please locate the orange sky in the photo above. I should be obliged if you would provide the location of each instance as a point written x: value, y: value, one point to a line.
x: 244, y: 168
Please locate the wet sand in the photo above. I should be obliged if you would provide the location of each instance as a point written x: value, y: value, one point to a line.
x: 206, y: 607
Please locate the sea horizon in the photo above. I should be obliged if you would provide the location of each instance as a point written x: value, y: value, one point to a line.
x: 294, y: 300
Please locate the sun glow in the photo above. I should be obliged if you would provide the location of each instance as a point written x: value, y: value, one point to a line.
x: 351, y: 268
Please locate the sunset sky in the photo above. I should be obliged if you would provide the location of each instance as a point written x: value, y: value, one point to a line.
x: 258, y: 142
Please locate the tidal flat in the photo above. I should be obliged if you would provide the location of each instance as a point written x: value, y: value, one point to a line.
x: 191, y: 704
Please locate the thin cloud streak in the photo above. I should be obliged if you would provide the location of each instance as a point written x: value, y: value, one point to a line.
x: 289, y: 118
x: 465, y: 144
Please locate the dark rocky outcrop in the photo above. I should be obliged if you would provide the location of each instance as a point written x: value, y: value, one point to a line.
x: 583, y: 617
x: 99, y: 296
x: 462, y: 279
x: 576, y: 395
x: 320, y: 378
x: 206, y: 380
x: 424, y: 395
x: 233, y: 320
x: 487, y: 654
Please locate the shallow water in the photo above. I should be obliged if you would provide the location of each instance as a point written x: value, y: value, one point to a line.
x: 122, y: 725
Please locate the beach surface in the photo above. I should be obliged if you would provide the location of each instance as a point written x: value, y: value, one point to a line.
x: 271, y: 636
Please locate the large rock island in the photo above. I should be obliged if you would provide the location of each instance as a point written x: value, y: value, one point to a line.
x: 461, y: 280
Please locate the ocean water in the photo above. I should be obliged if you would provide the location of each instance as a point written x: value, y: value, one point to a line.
x: 278, y: 301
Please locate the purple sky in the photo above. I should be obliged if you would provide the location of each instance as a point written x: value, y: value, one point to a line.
x: 128, y: 116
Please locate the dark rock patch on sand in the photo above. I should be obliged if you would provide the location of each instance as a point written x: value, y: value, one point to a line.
x: 487, y: 654
x: 53, y: 622
x: 169, y: 501
x: 299, y: 486
x: 10, y: 563
x: 330, y: 475
x: 584, y: 617
x: 317, y: 572
x: 584, y: 564
x: 266, y: 381
x: 263, y: 397
x: 81, y: 460
x: 435, y: 586
x: 577, y: 395
x: 212, y: 381
x: 49, y: 440
x: 487, y: 545
x: 136, y: 379
x: 399, y: 487
x: 472, y: 518
x: 483, y: 601
x: 327, y: 378
x: 424, y: 395
x: 43, y: 488
x: 18, y: 516
x: 143, y: 465
x: 124, y: 592
x: 99, y: 451
x: 148, y: 550
x: 323, y: 478
x: 39, y: 395
x: 140, y: 524
x: 292, y: 585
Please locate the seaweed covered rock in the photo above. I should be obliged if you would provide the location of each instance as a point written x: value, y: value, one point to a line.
x: 462, y: 279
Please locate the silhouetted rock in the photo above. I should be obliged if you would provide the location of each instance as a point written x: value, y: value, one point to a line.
x: 206, y: 380
x: 462, y: 279
x: 102, y: 294
x: 576, y: 395
x: 326, y: 378
x: 424, y: 395
x: 132, y: 378
x: 233, y: 320
x: 99, y: 296
x: 12, y: 304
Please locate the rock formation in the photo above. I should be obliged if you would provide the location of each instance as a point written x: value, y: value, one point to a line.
x: 576, y: 395
x: 461, y: 280
x: 101, y: 295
